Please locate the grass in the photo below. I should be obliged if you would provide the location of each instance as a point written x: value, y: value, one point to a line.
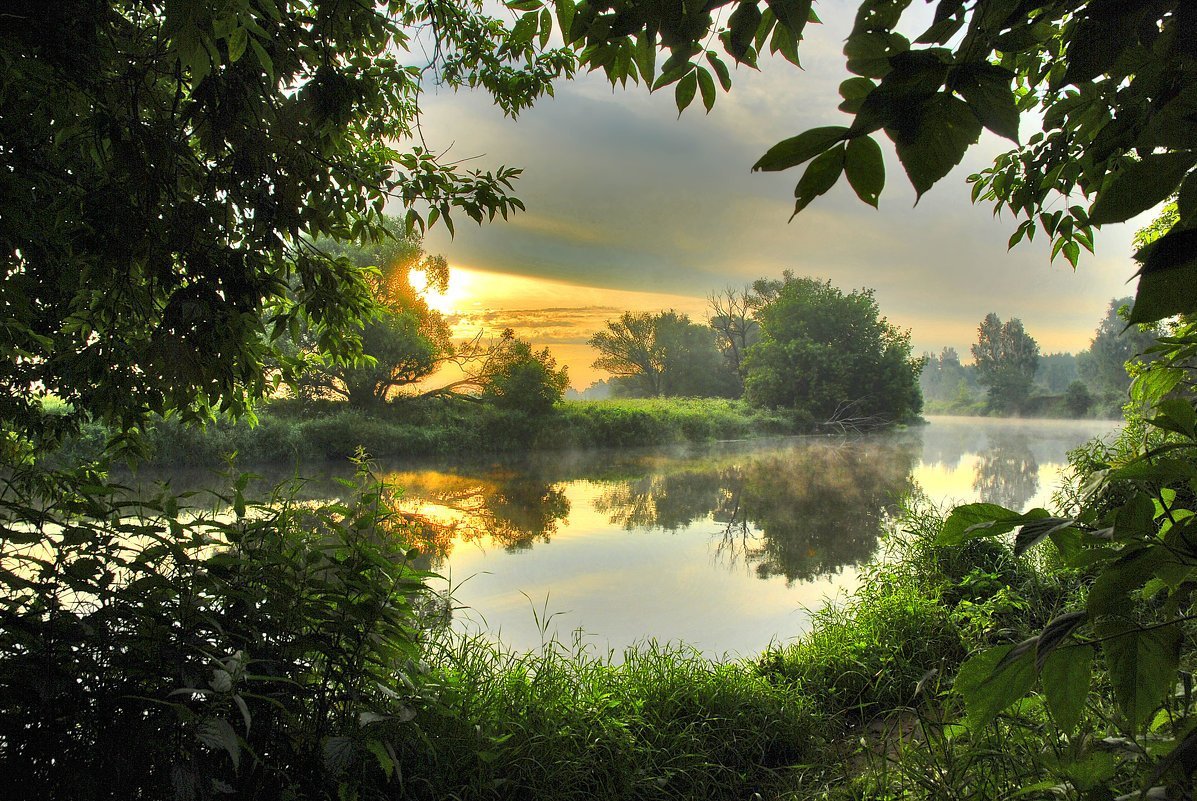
x: 663, y: 723
x: 288, y: 432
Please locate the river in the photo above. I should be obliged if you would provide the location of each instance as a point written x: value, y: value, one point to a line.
x: 726, y: 546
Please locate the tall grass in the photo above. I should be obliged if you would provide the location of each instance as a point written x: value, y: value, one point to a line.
x: 289, y: 432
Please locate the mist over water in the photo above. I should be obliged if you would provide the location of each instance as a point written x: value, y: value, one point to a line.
x: 726, y: 546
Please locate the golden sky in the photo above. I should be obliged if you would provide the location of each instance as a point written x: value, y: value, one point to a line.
x: 630, y: 207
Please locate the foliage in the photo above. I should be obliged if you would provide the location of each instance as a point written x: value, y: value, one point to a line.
x: 1109, y: 84
x: 1131, y: 529
x: 831, y: 355
x: 523, y: 379
x: 166, y: 165
x: 1056, y: 371
x: 1078, y: 399
x: 661, y: 722
x: 664, y: 355
x: 1104, y: 366
x: 403, y: 340
x: 152, y: 649
x: 1006, y: 357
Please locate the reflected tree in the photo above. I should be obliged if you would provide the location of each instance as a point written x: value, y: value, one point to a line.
x: 513, y: 509
x: 1007, y: 473
x: 800, y: 512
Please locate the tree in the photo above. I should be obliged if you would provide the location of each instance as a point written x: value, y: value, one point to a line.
x: 731, y: 318
x: 1078, y: 399
x: 1056, y: 372
x: 404, y: 341
x: 1006, y: 357
x: 628, y: 349
x: 520, y: 378
x: 1115, y: 343
x: 166, y: 166
x: 1110, y: 83
x: 664, y: 355
x: 831, y: 355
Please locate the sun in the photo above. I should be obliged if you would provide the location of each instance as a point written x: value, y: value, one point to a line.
x: 455, y: 299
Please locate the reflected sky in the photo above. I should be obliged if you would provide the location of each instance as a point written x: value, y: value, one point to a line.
x: 726, y: 546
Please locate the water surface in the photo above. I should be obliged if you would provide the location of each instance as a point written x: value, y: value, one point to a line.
x: 725, y: 546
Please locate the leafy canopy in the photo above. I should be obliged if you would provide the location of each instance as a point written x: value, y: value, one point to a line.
x: 166, y: 166
x: 831, y: 354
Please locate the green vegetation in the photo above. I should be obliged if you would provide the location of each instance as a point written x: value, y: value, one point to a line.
x: 794, y: 343
x: 1018, y: 380
x: 167, y: 170
x: 308, y: 432
x: 832, y: 355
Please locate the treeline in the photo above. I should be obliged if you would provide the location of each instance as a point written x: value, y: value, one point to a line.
x: 793, y: 343
x: 1010, y: 376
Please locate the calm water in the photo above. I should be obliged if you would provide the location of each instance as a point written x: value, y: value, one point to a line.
x: 725, y: 546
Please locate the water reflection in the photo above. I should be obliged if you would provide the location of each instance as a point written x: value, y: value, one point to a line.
x: 1007, y: 473
x: 797, y: 510
x: 507, y: 508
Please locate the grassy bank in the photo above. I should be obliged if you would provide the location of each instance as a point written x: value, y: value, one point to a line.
x: 287, y: 432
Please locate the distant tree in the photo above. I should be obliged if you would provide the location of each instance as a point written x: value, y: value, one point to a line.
x: 731, y: 317
x: 663, y: 355
x: 1103, y: 365
x: 941, y: 376
x: 521, y: 378
x: 1006, y: 358
x: 1056, y: 372
x: 628, y: 349
x: 832, y: 355
x: 1078, y: 399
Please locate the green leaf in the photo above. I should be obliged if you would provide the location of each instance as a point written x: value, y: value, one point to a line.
x: 987, y: 90
x: 794, y: 14
x: 720, y: 70
x: 987, y: 689
x: 1098, y: 37
x: 238, y: 38
x: 742, y: 25
x: 524, y: 5
x: 1142, y: 665
x: 854, y: 91
x: 646, y: 56
x: 1110, y: 590
x: 1030, y: 534
x: 706, y: 85
x: 1065, y: 678
x: 865, y: 168
x: 683, y: 93
x: 943, y: 130
x: 1176, y: 414
x: 1141, y: 185
x: 820, y: 176
x: 974, y: 520
x: 524, y: 30
x: 219, y: 734
x: 1167, y: 277
x: 803, y: 147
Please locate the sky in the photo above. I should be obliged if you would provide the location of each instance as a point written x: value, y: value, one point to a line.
x: 631, y: 208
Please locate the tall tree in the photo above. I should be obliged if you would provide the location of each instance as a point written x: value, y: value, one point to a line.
x: 832, y: 355
x: 1103, y: 367
x: 628, y: 349
x: 1006, y: 357
x: 731, y: 317
x: 403, y: 340
x: 664, y: 355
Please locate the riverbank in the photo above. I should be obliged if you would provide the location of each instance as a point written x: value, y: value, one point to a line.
x: 288, y: 432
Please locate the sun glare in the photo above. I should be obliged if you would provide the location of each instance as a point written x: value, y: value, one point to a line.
x: 455, y: 299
